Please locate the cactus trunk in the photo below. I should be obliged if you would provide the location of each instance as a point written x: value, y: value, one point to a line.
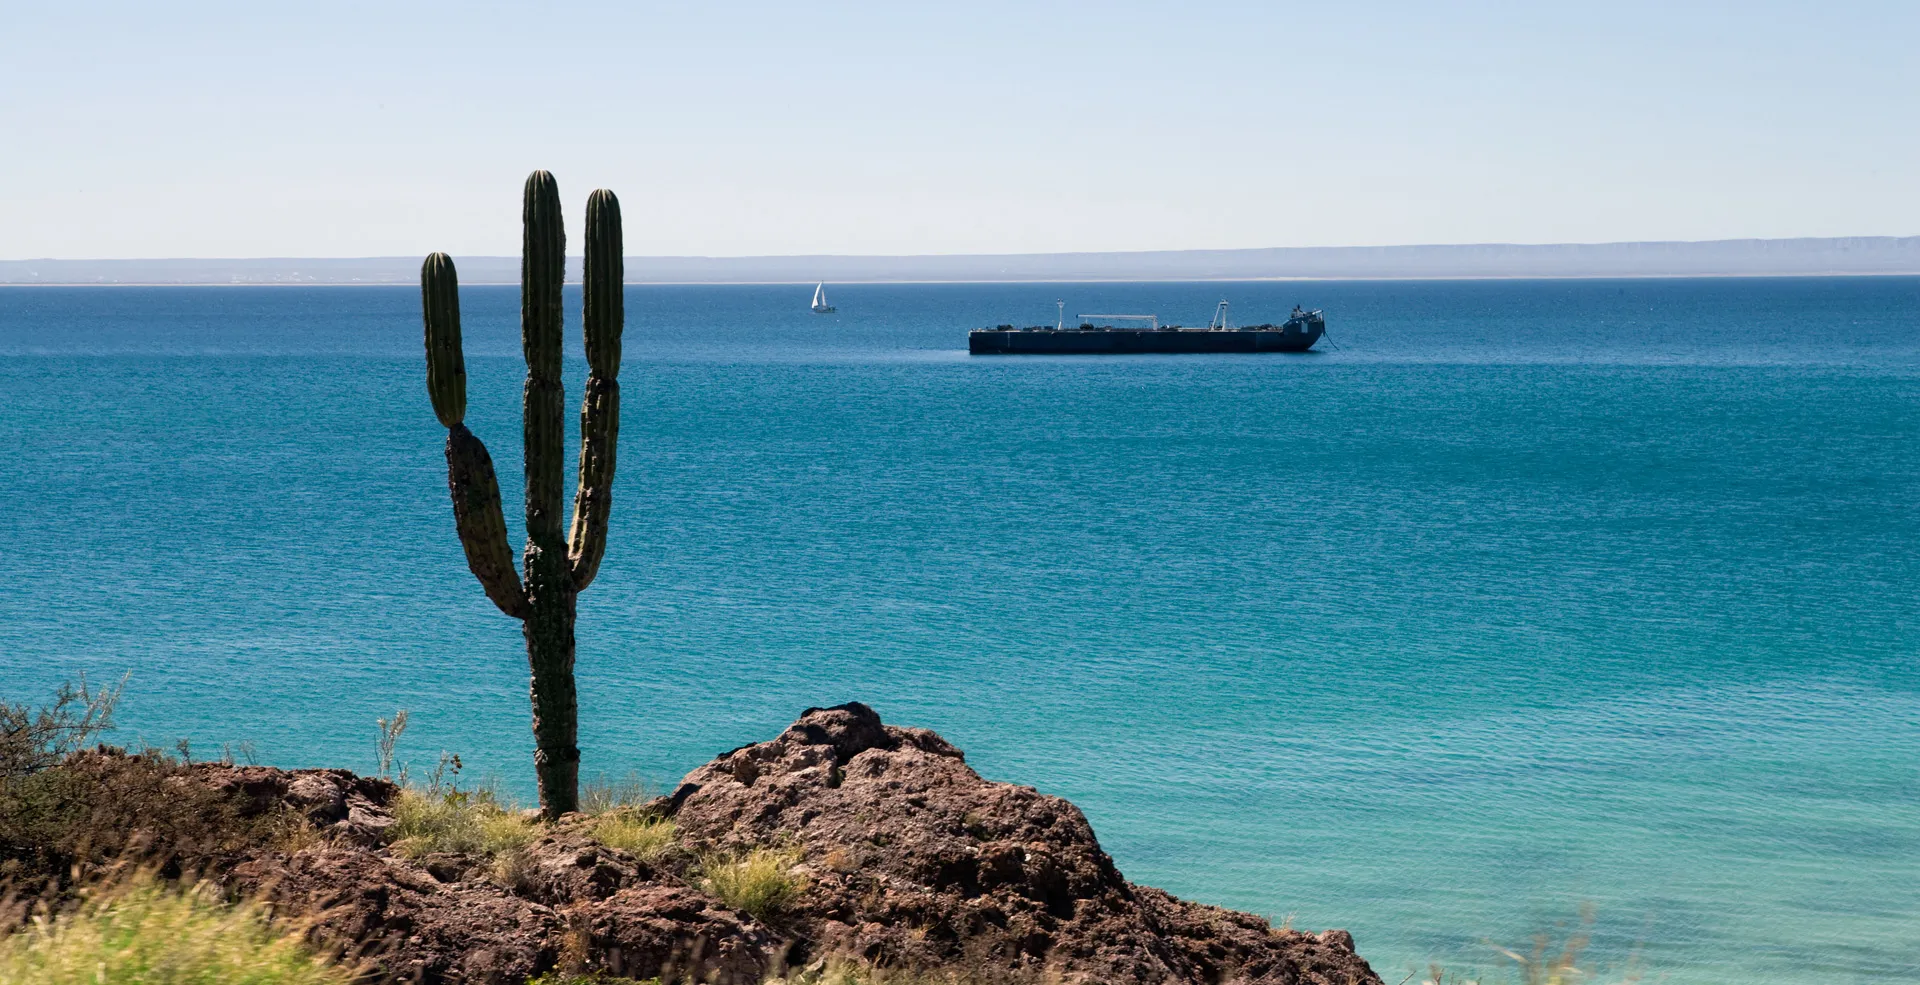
x: 556, y: 714
x: 558, y: 563
x: 550, y: 597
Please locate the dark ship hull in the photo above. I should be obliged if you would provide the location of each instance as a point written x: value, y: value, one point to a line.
x: 1297, y: 335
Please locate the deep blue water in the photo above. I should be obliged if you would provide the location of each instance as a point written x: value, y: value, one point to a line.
x: 1529, y: 595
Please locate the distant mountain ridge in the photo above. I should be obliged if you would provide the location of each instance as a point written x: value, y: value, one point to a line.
x: 1712, y: 258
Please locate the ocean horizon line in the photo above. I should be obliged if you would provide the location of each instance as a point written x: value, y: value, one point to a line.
x: 575, y: 282
x: 1792, y: 257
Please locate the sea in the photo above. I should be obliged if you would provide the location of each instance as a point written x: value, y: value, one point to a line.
x: 1581, y: 608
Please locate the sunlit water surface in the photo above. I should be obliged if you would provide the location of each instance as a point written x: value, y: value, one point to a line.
x: 1528, y: 595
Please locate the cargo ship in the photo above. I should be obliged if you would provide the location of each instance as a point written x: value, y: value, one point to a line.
x: 1297, y: 334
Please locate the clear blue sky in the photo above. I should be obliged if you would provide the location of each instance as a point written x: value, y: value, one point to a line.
x: 350, y: 129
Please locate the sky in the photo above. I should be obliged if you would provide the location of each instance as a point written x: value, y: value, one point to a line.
x: 729, y: 129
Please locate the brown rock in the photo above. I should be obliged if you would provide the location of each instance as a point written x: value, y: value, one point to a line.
x: 672, y: 933
x: 568, y: 866
x: 916, y: 860
x: 335, y: 802
x: 416, y: 928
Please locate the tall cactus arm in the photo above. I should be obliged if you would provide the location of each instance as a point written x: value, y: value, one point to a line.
x: 604, y: 317
x: 446, y: 367
x: 542, y: 269
x: 604, y: 282
x: 482, y: 525
x: 593, y: 502
x: 470, y: 479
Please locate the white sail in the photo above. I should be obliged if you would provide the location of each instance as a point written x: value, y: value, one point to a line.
x: 820, y: 295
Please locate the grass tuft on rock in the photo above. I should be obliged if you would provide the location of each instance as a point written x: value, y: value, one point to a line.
x: 761, y: 883
x: 646, y: 837
x: 465, y: 822
x: 605, y: 795
x: 143, y: 932
x: 557, y: 978
x: 847, y: 971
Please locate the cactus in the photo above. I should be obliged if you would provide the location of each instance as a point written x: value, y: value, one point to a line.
x: 557, y: 566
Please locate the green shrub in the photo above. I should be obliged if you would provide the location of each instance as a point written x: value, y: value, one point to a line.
x: 146, y: 933
x: 643, y: 836
x: 761, y: 882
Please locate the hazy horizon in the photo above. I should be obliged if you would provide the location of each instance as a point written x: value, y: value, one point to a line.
x: 1719, y: 258
x: 574, y: 252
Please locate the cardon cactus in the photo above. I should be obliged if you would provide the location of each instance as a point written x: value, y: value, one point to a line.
x: 559, y: 563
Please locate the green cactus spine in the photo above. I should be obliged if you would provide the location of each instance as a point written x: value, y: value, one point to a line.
x: 558, y: 563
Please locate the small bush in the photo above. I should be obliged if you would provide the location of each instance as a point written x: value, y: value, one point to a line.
x: 761, y: 883
x: 145, y: 933
x: 643, y: 836
x: 465, y: 822
x: 67, y: 810
x: 36, y: 739
x: 97, y: 808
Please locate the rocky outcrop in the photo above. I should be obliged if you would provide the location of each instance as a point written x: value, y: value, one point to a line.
x: 335, y: 803
x: 910, y: 858
x: 915, y: 859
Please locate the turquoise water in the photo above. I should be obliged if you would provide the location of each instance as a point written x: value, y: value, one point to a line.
x: 1530, y: 595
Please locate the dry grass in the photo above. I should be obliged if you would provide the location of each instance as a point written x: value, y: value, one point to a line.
x: 464, y: 822
x: 556, y: 978
x: 644, y: 836
x: 1547, y: 963
x: 143, y: 932
x: 601, y: 795
x: 835, y: 972
x: 850, y: 972
x: 760, y: 883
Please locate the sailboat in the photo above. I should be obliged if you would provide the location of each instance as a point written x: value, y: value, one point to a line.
x: 820, y: 305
